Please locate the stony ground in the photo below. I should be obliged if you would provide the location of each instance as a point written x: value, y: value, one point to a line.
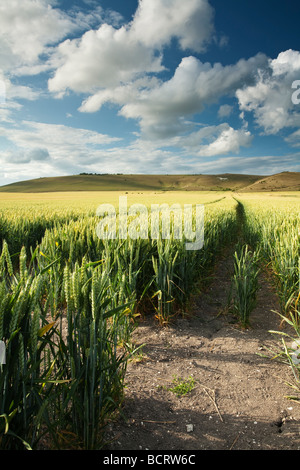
x: 239, y: 397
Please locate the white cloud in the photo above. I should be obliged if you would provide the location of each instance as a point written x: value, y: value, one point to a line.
x: 34, y: 140
x: 211, y: 141
x: 10, y: 95
x: 111, y: 65
x: 111, y: 61
x: 162, y: 109
x: 14, y: 92
x: 225, y: 110
x: 101, y: 59
x: 2, y: 90
x: 7, y: 110
x: 5, y: 114
x: 270, y: 98
x: 43, y: 150
x: 287, y: 62
x: 156, y: 22
x: 228, y: 141
x: 260, y: 165
x: 25, y: 156
x: 26, y: 28
x: 37, y: 149
x: 109, y: 56
x: 30, y: 31
x: 294, y: 139
x: 52, y: 149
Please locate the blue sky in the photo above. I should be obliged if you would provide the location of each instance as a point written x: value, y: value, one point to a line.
x: 155, y: 86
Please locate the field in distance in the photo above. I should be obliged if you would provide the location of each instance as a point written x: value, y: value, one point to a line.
x: 85, y: 202
x: 286, y: 181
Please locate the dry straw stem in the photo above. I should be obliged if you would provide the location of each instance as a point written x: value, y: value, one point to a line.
x: 212, y: 396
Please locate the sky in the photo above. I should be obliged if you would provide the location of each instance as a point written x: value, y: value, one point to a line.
x: 148, y: 87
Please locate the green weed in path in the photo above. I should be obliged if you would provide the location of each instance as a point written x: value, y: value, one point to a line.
x: 245, y: 283
x: 181, y: 386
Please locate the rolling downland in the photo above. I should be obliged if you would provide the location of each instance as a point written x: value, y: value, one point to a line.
x: 286, y: 181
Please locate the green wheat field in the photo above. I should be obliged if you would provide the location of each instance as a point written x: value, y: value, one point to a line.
x: 70, y: 301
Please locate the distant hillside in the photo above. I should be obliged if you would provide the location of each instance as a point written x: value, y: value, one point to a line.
x: 91, y: 182
x: 286, y: 181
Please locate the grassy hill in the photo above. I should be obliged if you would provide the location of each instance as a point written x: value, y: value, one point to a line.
x: 91, y: 182
x: 286, y: 181
x: 133, y: 183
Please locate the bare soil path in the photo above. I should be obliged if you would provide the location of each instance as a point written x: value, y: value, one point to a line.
x: 238, y: 402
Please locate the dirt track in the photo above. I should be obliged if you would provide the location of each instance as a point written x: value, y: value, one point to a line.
x: 238, y: 401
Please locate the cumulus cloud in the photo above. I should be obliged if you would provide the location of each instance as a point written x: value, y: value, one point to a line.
x: 31, y: 29
x: 156, y: 22
x: 29, y: 32
x: 210, y: 141
x: 26, y: 28
x: 101, y: 59
x: 270, y: 98
x: 162, y: 109
x: 287, y: 62
x: 111, y: 61
x: 228, y: 141
x: 109, y: 56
